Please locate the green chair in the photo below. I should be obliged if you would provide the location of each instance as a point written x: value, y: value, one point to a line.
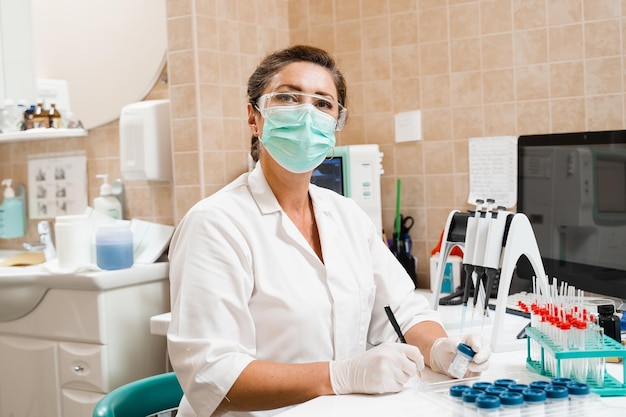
x: 144, y: 397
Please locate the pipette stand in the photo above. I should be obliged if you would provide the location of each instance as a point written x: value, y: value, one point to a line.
x: 446, y: 247
x: 520, y: 241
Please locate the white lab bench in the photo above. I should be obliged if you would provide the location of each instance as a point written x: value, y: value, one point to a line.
x: 416, y: 399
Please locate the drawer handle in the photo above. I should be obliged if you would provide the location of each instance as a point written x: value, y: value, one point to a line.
x: 78, y: 368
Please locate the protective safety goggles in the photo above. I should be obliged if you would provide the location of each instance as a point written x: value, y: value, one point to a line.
x: 324, y: 104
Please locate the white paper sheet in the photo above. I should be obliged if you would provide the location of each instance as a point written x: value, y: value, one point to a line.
x: 493, y: 170
x: 150, y: 240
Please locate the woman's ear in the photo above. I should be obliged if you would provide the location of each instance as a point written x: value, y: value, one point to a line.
x: 252, y: 121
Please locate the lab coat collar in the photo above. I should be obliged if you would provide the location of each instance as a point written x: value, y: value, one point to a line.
x: 261, y: 191
x: 266, y: 200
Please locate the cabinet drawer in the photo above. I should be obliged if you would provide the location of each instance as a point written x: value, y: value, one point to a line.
x: 83, y: 366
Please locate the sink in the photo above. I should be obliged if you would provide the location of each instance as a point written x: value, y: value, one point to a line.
x: 23, y: 288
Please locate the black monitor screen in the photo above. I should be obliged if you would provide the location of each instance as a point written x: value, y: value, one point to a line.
x: 330, y: 175
x: 572, y: 187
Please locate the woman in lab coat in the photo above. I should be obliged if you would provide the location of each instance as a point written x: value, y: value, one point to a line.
x: 278, y: 286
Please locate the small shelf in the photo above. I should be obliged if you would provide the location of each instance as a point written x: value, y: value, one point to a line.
x: 40, y: 134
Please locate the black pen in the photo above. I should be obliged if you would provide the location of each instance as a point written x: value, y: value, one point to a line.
x: 394, y: 323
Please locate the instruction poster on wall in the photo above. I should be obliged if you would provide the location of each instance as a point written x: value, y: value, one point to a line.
x: 57, y: 186
x: 493, y: 170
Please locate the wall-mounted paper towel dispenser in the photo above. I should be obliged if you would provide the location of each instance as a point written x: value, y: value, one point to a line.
x: 145, y: 149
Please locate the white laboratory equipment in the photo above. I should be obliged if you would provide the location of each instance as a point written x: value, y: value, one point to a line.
x: 508, y: 237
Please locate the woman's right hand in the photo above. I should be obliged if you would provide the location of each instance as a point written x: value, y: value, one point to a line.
x: 382, y: 369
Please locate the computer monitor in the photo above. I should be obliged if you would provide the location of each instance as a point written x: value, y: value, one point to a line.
x: 572, y: 187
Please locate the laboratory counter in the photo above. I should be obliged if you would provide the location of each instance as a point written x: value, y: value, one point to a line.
x: 429, y: 395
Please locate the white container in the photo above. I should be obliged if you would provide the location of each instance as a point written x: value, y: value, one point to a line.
x: 73, y: 241
x: 145, y: 152
x: 460, y: 362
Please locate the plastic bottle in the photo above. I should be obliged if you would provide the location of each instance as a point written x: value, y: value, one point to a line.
x: 511, y: 404
x: 12, y: 222
x: 54, y: 117
x: 488, y: 405
x: 557, y: 401
x: 114, y: 246
x: 579, y: 396
x: 469, y: 397
x: 504, y: 382
x: 73, y: 241
x: 534, y: 402
x: 12, y: 117
x: 460, y: 362
x: 107, y: 203
x: 456, y: 391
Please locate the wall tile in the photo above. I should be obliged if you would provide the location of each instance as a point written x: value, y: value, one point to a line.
x: 495, y: 17
x: 532, y: 82
x: 465, y: 20
x: 466, y: 88
x: 465, y: 54
x: 566, y: 43
x: 434, y: 58
x: 601, y: 9
x: 568, y: 115
x: 529, y: 14
x: 533, y: 117
x: 603, y: 76
x: 179, y: 35
x: 531, y: 47
x: 433, y: 24
x: 602, y: 38
x: 497, y: 51
x: 564, y: 12
x: 498, y: 86
x: 403, y: 28
x: 567, y: 79
x: 604, y: 112
x: 438, y: 157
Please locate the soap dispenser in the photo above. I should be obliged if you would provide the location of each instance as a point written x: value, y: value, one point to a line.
x: 107, y: 203
x: 12, y: 223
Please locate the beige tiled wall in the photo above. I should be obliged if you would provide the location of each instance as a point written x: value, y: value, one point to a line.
x: 473, y: 67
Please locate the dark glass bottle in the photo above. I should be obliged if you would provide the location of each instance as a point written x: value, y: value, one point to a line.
x: 54, y: 116
x: 609, y: 321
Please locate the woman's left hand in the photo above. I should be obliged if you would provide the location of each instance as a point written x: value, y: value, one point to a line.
x: 443, y: 351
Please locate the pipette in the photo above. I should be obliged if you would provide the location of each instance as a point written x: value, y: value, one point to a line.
x: 482, y: 230
x: 468, y: 256
x: 498, y: 220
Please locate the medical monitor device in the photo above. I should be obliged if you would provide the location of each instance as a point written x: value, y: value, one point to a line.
x: 572, y: 187
x: 354, y: 171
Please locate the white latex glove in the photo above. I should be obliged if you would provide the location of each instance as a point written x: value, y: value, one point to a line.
x: 384, y: 368
x: 444, y: 349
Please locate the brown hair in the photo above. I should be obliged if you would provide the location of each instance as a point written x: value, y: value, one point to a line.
x: 276, y: 61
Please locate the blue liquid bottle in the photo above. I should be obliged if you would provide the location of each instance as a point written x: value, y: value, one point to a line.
x: 114, y: 246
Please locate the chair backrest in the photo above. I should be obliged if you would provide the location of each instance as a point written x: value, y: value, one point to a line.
x: 141, y: 398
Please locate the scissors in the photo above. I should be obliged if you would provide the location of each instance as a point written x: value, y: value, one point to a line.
x: 406, y: 223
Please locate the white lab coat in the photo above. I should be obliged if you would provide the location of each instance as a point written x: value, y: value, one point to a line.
x: 246, y: 285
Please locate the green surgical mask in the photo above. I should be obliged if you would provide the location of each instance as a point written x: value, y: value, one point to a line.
x: 298, y: 137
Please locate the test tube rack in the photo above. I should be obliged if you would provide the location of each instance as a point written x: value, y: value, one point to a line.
x: 611, y: 349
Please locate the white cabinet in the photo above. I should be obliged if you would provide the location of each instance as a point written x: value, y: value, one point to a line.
x: 78, y: 344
